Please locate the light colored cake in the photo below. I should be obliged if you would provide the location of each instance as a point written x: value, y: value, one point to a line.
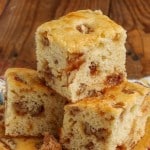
x: 81, y: 53
x: 115, y: 121
x: 31, y: 107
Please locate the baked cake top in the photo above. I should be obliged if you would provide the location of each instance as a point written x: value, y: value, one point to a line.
x: 80, y: 30
x: 26, y: 79
x: 114, y: 99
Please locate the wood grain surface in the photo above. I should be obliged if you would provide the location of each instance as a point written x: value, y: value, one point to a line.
x: 20, y: 18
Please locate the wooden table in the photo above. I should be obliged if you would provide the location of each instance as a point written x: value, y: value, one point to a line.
x: 20, y: 18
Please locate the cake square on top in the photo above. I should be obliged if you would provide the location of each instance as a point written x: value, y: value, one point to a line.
x: 81, y: 53
x: 31, y: 108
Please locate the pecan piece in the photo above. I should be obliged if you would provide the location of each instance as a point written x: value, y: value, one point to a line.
x: 119, y: 105
x: 110, y: 118
x: 48, y: 72
x: 20, y: 108
x: 81, y: 89
x: 117, y: 37
x: 102, y: 134
x: 128, y: 91
x: 17, y: 78
x: 75, y: 62
x: 23, y: 108
x: 93, y: 68
x: 88, y: 130
x: 121, y: 147
x: 74, y: 111
x: 89, y: 146
x: 114, y: 79
x: 56, y: 61
x: 85, y: 29
x: 44, y: 39
x: 94, y: 93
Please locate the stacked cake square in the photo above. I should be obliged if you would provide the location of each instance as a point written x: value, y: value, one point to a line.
x: 113, y: 121
x: 80, y: 91
x: 82, y: 57
x: 81, y: 54
x: 31, y: 107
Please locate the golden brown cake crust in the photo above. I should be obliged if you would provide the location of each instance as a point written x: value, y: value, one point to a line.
x: 121, y: 95
x: 26, y: 78
x: 85, y: 21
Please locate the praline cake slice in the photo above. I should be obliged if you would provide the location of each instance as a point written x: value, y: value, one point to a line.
x: 31, y: 107
x: 81, y: 53
x: 114, y: 121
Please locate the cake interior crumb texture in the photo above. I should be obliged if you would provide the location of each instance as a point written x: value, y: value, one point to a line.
x: 31, y: 107
x: 16, y: 143
x: 115, y: 121
x: 81, y: 53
